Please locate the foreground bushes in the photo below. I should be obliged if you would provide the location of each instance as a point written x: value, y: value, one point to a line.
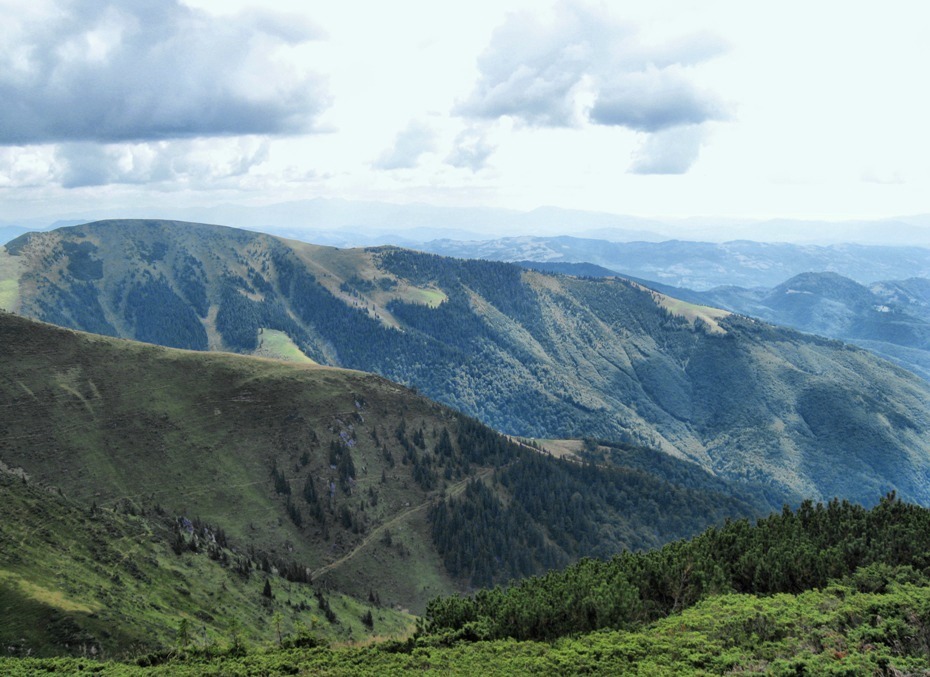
x: 840, y: 630
x: 788, y: 552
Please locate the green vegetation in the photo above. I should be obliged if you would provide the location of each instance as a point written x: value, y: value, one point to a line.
x: 788, y: 552
x: 119, y: 582
x: 316, y: 473
x: 278, y: 345
x: 531, y: 354
x: 873, y: 619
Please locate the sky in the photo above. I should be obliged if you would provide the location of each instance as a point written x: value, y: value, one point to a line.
x: 658, y: 109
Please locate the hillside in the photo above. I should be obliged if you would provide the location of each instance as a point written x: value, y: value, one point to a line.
x: 127, y: 465
x: 889, y: 318
x: 828, y: 589
x: 529, y: 353
x: 703, y: 265
x: 120, y: 581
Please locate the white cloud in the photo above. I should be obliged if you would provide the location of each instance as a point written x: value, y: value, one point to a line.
x: 471, y: 150
x: 544, y: 73
x: 411, y: 142
x: 186, y: 162
x: 655, y: 99
x: 670, y: 151
x: 585, y: 68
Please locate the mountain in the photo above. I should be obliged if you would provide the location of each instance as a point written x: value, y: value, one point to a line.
x: 703, y: 265
x: 889, y: 318
x: 190, y: 479
x: 531, y: 354
x: 351, y: 223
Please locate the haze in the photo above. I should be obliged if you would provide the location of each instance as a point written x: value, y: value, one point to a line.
x: 728, y: 111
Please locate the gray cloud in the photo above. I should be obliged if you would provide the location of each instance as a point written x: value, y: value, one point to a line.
x: 471, y: 151
x: 131, y: 70
x: 670, y: 151
x: 411, y: 142
x: 191, y: 162
x: 548, y: 75
x: 653, y: 100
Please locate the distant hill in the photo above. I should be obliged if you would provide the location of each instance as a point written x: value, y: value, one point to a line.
x: 531, y: 354
x: 703, y: 265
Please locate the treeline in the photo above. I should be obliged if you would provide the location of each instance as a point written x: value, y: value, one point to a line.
x: 788, y: 552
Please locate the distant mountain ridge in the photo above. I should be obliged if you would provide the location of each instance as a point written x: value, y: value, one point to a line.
x: 348, y: 223
x: 531, y: 354
x: 702, y: 265
x: 890, y: 318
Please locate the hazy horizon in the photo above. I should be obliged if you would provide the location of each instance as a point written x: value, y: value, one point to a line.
x: 675, y: 113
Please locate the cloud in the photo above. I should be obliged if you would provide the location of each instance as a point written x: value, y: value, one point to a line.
x: 411, y: 142
x: 192, y: 162
x: 653, y: 100
x: 584, y: 67
x: 670, y: 151
x: 113, y: 70
x: 27, y: 167
x: 471, y: 151
x: 531, y: 71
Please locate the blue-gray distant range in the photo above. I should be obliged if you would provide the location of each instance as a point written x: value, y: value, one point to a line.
x: 345, y: 223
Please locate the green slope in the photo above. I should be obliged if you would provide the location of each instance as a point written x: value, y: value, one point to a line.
x: 531, y: 354
x: 100, y: 582
x: 340, y: 476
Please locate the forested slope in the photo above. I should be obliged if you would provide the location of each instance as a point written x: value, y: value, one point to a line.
x: 259, y: 467
x: 529, y: 353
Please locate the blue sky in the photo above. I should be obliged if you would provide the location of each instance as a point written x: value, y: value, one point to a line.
x: 656, y: 109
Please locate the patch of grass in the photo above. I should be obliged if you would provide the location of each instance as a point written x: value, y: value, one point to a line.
x: 279, y: 346
x: 9, y: 280
x: 427, y: 296
x: 693, y: 312
x: 43, y: 595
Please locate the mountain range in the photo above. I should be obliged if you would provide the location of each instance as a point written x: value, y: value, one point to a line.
x: 703, y: 265
x: 348, y: 223
x: 531, y: 354
x: 225, y: 455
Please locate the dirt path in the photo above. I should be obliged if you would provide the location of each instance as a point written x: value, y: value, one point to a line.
x: 451, y: 490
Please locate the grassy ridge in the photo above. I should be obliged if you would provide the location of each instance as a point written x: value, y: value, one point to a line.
x: 310, y: 470
x: 203, y: 434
